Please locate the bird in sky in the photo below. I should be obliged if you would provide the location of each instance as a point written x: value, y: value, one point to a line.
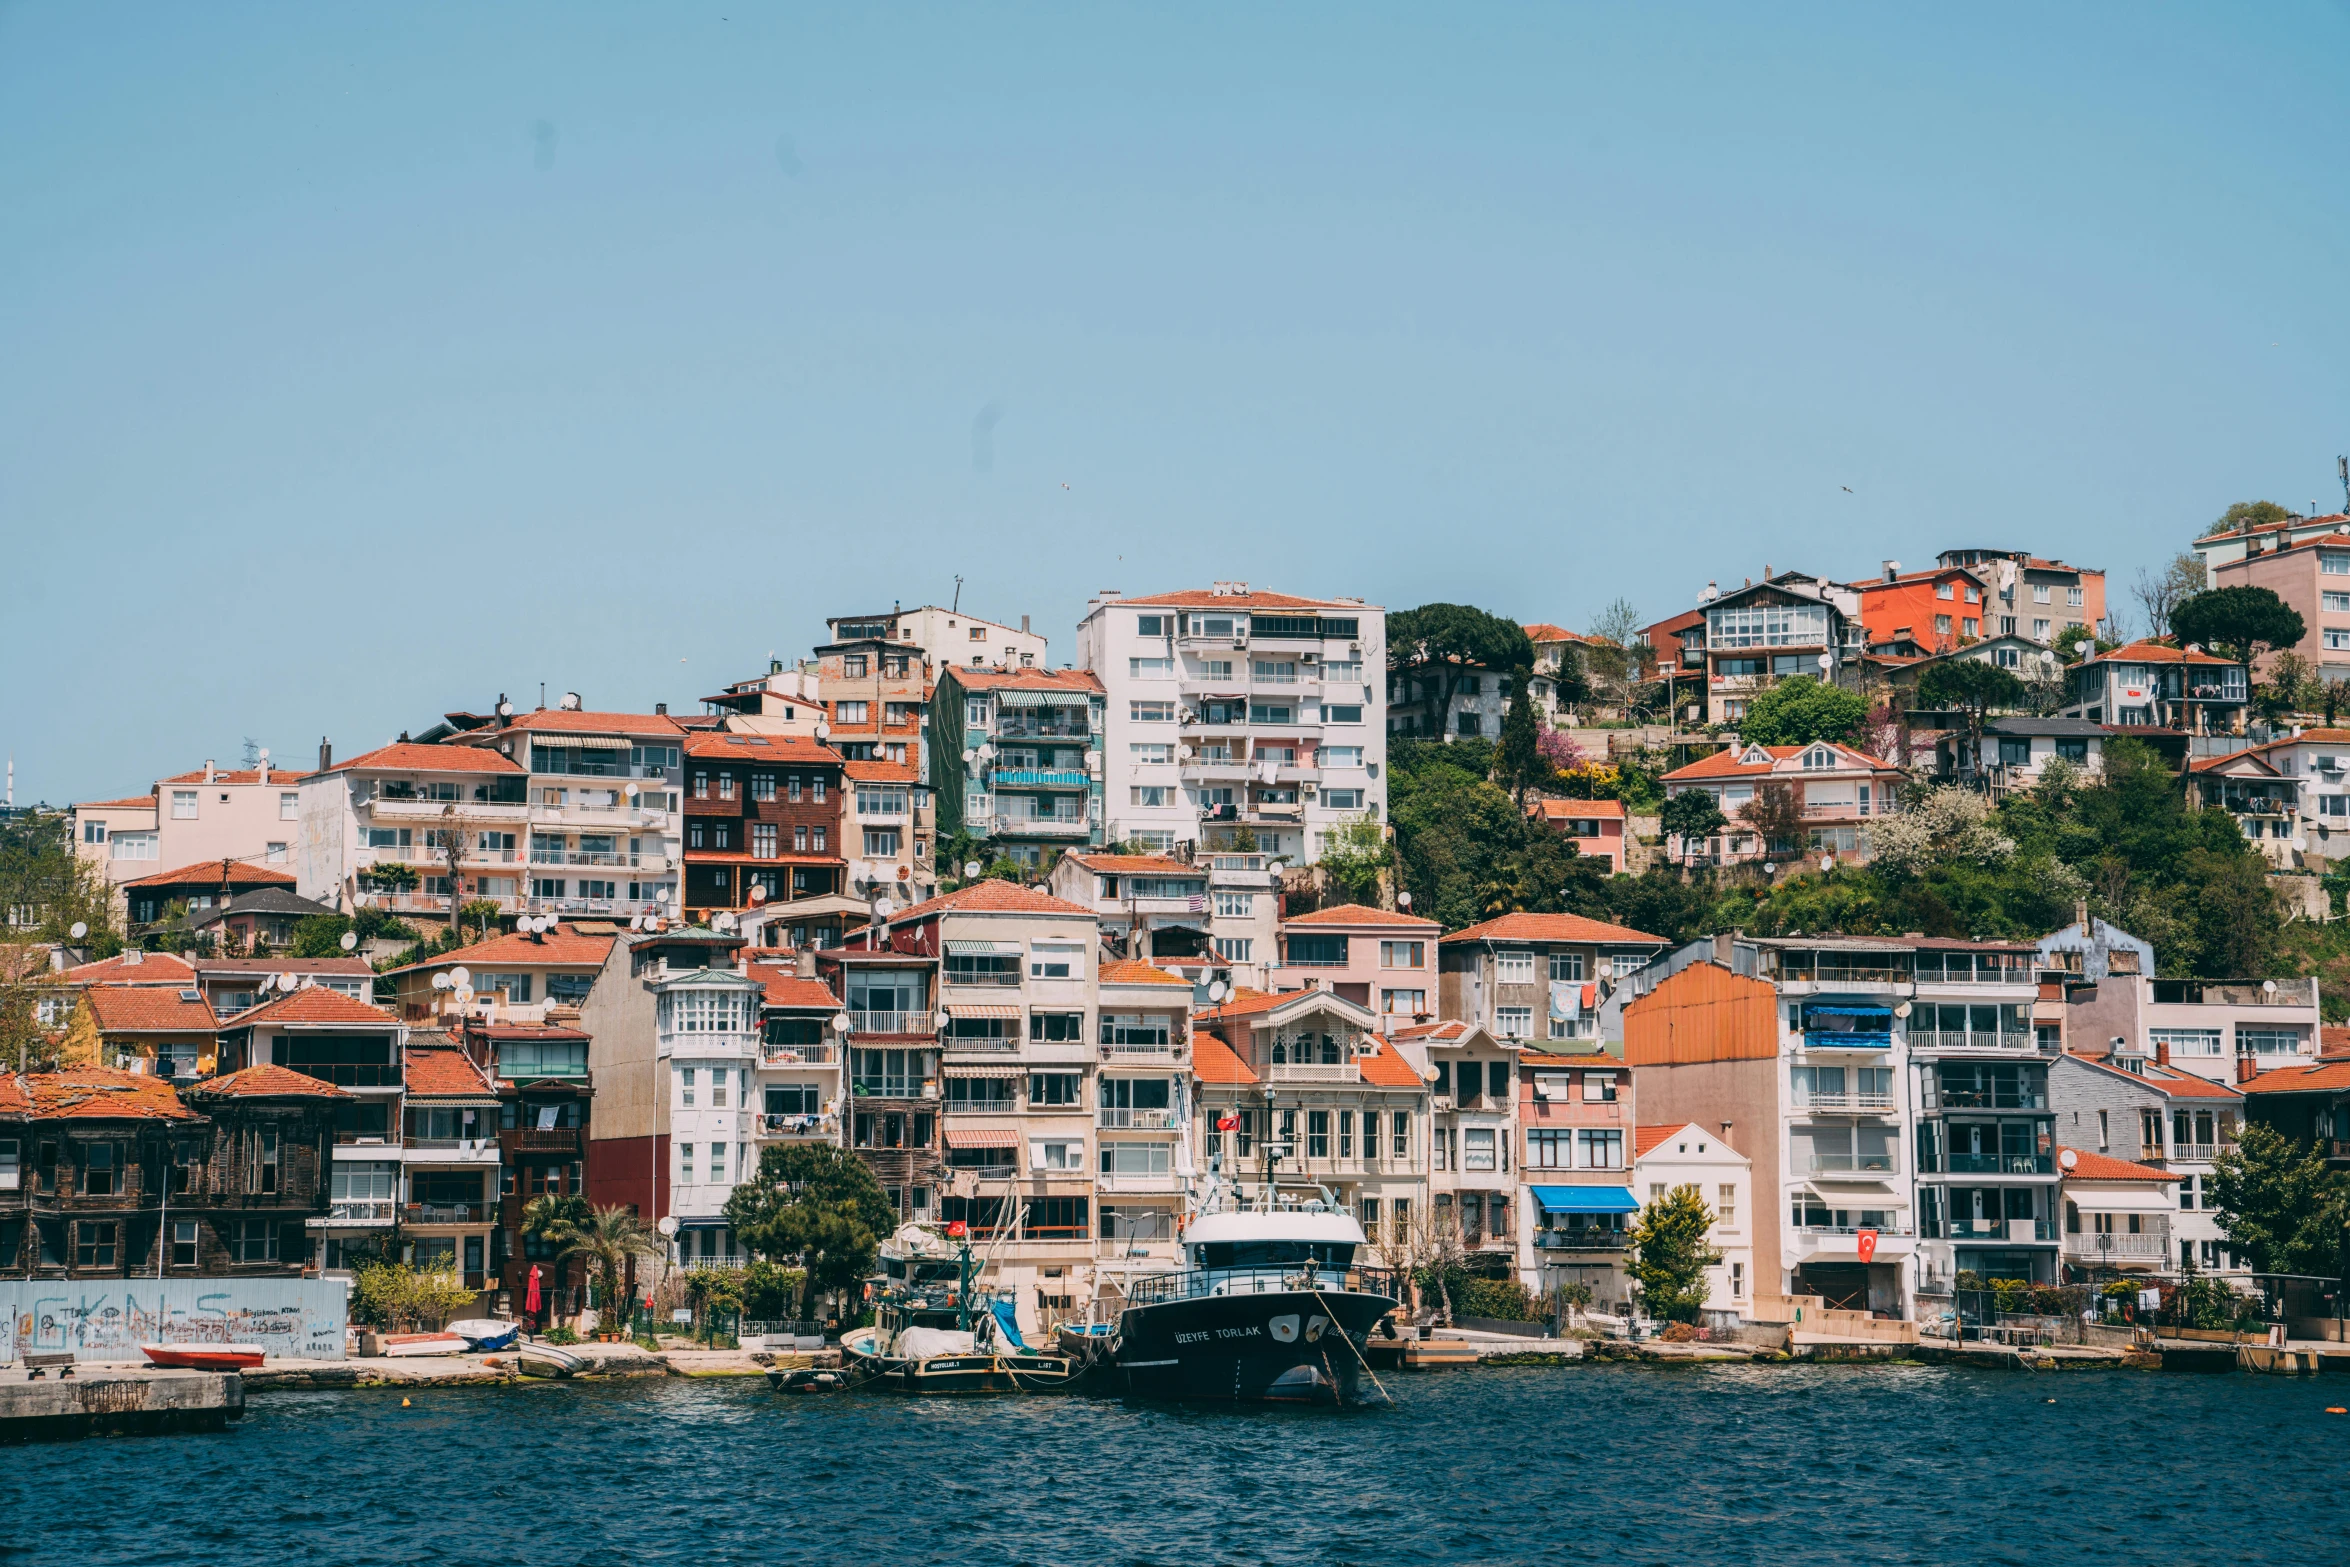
x: 1064, y: 484
x: 1846, y: 488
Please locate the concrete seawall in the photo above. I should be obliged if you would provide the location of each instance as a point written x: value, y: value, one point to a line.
x: 118, y: 1403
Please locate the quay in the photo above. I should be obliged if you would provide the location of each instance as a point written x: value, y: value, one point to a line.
x: 117, y: 1401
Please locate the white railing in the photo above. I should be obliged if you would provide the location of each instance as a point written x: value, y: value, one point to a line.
x: 1313, y: 1072
x: 826, y: 1127
x: 892, y: 1023
x: 393, y: 808
x: 1820, y: 1101
x: 362, y: 1211
x: 1118, y: 1119
x: 2086, y: 1245
x: 799, y: 1055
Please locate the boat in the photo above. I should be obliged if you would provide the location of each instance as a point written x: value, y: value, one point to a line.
x: 486, y: 1333
x: 547, y: 1360
x: 937, y: 1330
x: 1270, y: 1308
x: 400, y: 1345
x: 807, y: 1379
x: 204, y: 1357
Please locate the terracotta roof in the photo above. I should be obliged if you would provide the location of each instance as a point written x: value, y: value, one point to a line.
x: 1727, y: 763
x: 2089, y: 1166
x: 2335, y: 540
x: 1646, y: 1138
x: 763, y: 748
x: 562, y: 946
x: 315, y: 1004
x: 2333, y: 1040
x: 1550, y: 927
x: 1544, y: 631
x: 269, y: 1081
x: 558, y: 720
x: 1028, y: 680
x: 1245, y: 1002
x: 213, y: 968
x: 1132, y: 971
x: 1212, y: 1061
x: 1138, y: 865
x: 1388, y: 1068
x: 435, y: 1071
x: 882, y: 772
x: 989, y: 897
x: 226, y: 775
x: 784, y: 988
x: 407, y: 756
x: 2154, y: 653
x: 2321, y: 1077
x: 2274, y: 527
x: 96, y: 1094
x: 1206, y: 598
x: 1447, y: 1031
x: 1577, y: 810
x: 153, y: 968
x: 2167, y: 1080
x: 13, y: 1099
x: 1358, y: 914
x: 148, y: 1009
x: 126, y: 803
x: 217, y: 873
x: 2207, y: 764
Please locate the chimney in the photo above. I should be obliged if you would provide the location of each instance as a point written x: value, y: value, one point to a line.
x: 2081, y: 914
x: 1023, y: 625
x: 1892, y: 570
x: 804, y: 963
x: 2161, y: 1051
x: 326, y: 753
x: 661, y: 708
x: 210, y: 772
x: 1725, y: 948
x: 2246, y: 1069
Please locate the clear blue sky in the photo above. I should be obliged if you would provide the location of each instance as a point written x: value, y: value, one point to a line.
x: 361, y: 362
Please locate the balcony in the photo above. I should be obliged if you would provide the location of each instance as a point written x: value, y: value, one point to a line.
x: 385, y: 808
x: 2006, y: 1039
x: 1999, y: 1164
x: 609, y: 859
x: 1133, y: 1053
x: 451, y: 1150
x: 1016, y: 727
x: 1862, y: 1164
x: 2012, y: 1231
x: 1039, y: 778
x: 1112, y: 1118
x: 449, y: 1213
x: 1313, y: 1072
x: 1214, y: 770
x: 1581, y: 1240
x: 1861, y: 1104
x: 357, y: 1213
x: 980, y: 1045
x: 800, y: 1128
x: 553, y: 1139
x: 808, y: 1055
x: 923, y: 1023
x: 1196, y: 903
x: 2203, y: 1153
x: 1033, y: 826
x: 597, y: 818
x: 2103, y: 1246
x: 1940, y: 1098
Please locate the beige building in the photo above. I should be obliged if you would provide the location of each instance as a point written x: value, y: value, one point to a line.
x: 209, y: 813
x: 376, y: 831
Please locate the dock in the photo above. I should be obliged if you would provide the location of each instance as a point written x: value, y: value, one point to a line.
x: 117, y: 1401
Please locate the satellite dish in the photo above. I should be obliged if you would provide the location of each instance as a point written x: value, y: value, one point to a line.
x: 350, y: 940
x: 969, y: 757
x: 441, y: 982
x: 724, y: 922
x: 2068, y: 1158
x: 758, y: 892
x: 460, y: 976
x: 943, y: 1018
x: 636, y: 922
x: 661, y: 894
x: 823, y: 731
x: 1901, y: 1010
x: 1218, y: 990
x: 840, y: 1022
x: 1827, y: 862
x: 971, y: 869
x: 666, y: 1224
x: 883, y: 908
x: 79, y: 930
x: 1403, y: 900
x: 2268, y: 987
x: 505, y: 710
x: 1769, y: 869
x: 1827, y: 661
x: 630, y: 791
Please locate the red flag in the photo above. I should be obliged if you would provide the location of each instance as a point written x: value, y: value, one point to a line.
x: 958, y: 1229
x: 1867, y: 1240
x: 1228, y: 1123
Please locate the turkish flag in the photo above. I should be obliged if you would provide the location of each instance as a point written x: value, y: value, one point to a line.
x: 958, y: 1229
x: 1228, y: 1123
x: 1867, y: 1241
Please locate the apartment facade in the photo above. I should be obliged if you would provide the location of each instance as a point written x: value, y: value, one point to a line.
x: 2030, y: 596
x: 1016, y: 759
x: 380, y: 829
x: 889, y: 831
x: 1473, y: 1179
x: 1576, y: 1122
x: 2221, y: 1030
x: 2144, y: 1111
x: 2312, y: 576
x: 1667, y: 1158
x: 1755, y: 636
x: 210, y: 813
x: 1538, y: 979
x: 1934, y: 610
x: 1238, y: 721
x: 764, y: 824
x: 1376, y: 958
x: 2011, y: 753
x: 2148, y: 685
x: 1836, y: 792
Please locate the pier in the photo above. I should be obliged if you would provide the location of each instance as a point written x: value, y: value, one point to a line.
x: 117, y: 1401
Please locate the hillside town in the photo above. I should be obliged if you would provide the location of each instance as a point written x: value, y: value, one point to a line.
x: 1924, y: 932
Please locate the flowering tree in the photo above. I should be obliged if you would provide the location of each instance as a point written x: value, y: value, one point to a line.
x: 1937, y: 825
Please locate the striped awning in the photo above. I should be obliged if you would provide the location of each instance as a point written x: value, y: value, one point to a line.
x: 980, y: 949
x: 579, y: 743
x: 1043, y: 698
x: 980, y: 1009
x: 958, y: 1137
x: 984, y: 1069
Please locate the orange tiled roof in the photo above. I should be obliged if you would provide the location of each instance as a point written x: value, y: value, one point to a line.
x: 1448, y: 1031
x: 1645, y: 1138
x: 1550, y: 927
x: 1358, y: 914
x: 882, y: 772
x: 1028, y: 680
x: 215, y: 967
x: 785, y: 988
x: 1206, y: 598
x: 762, y: 748
x: 1388, y: 1068
x: 2088, y: 1166
x: 989, y: 897
x: 560, y: 720
x: 148, y: 1009
x: 13, y: 1099
x: 269, y: 1081
x: 1213, y: 1061
x: 316, y: 1004
x: 96, y: 1094
x: 1544, y: 631
x: 1727, y: 763
x: 2333, y: 1040
x: 564, y: 945
x: 227, y: 775
x: 126, y: 803
x: 1138, y: 865
x: 436, y: 1071
x: 2154, y: 653
x: 1246, y: 1002
x: 408, y: 756
x: 2320, y: 1077
x: 217, y: 873
x: 1577, y: 810
x: 153, y: 968
x: 1133, y: 971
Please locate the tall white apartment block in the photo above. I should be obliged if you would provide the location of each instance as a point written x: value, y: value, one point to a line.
x: 1238, y: 717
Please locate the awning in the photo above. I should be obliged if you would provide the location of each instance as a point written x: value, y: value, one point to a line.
x: 2137, y: 1197
x: 957, y: 1137
x: 1043, y: 698
x: 980, y: 949
x: 579, y: 743
x: 977, y: 1009
x: 958, y: 1069
x: 1585, y: 1199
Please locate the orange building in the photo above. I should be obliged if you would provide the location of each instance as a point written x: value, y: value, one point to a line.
x: 1935, y: 610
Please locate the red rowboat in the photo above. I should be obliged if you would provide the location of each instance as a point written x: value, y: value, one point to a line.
x: 204, y: 1357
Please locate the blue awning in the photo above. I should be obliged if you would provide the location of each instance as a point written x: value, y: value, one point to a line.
x: 1848, y: 1008
x: 1585, y: 1199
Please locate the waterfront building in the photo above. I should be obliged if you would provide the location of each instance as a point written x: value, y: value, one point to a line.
x: 1237, y: 721
x: 2218, y: 1029
x: 450, y: 1162
x: 1539, y: 978
x: 546, y: 1101
x: 1016, y: 759
x: 1378, y: 959
x: 383, y: 829
x: 1472, y: 1133
x: 797, y: 1087
x: 1575, y: 1120
x: 2309, y: 1103
x: 2117, y: 1215
x: 1666, y: 1158
x: 2146, y: 1111
x: 1143, y: 1118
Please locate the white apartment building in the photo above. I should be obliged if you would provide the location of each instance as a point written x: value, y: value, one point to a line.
x: 1190, y: 915
x: 1239, y: 721
x: 375, y: 831
x: 1668, y: 1157
x: 207, y: 813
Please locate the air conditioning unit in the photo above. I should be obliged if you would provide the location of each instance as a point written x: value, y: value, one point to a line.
x: 1354, y: 647
x: 1307, y: 789
x: 1440, y: 1105
x: 1311, y: 658
x: 1239, y: 640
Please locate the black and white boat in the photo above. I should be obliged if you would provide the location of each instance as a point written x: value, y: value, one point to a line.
x: 937, y: 1329
x: 1270, y: 1308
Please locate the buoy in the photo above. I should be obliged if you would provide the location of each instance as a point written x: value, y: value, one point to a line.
x: 2336, y: 1409
x: 404, y: 1403
x: 2048, y: 1401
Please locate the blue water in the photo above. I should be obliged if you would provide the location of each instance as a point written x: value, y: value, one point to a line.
x: 1615, y: 1464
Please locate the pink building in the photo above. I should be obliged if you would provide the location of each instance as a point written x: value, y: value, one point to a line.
x: 2313, y: 576
x: 1597, y: 826
x: 1373, y: 957
x: 1835, y: 791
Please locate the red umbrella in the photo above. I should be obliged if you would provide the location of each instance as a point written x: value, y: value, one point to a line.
x: 530, y: 1301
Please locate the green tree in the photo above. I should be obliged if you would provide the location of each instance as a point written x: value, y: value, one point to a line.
x: 1672, y: 1252
x: 815, y: 1205
x: 2279, y: 1204
x: 1354, y: 856
x: 1519, y: 766
x: 1693, y: 816
x: 1799, y: 710
x: 1970, y: 685
x: 1439, y: 643
x: 608, y: 1238
x: 2242, y: 622
x: 41, y: 873
x: 2247, y: 514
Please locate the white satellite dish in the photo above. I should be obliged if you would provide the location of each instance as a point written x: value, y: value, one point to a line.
x: 971, y: 868
x: 630, y: 791
x: 1403, y: 900
x: 460, y: 976
x: 840, y: 1022
x: 1218, y: 990
x: 441, y: 982
x: 1827, y: 661
x: 660, y: 894
x: 986, y: 751
x: 79, y: 930
x: 2068, y: 1158
x: 666, y: 1224
x: 823, y: 731
x: 2268, y: 987
x: 350, y: 941
x: 636, y: 922
x: 883, y: 908
x: 969, y: 757
x: 1827, y: 863
x: 943, y: 1018
x: 1901, y: 1010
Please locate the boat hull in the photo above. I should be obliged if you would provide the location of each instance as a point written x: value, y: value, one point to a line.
x: 1275, y: 1347
x: 204, y: 1357
x: 546, y: 1360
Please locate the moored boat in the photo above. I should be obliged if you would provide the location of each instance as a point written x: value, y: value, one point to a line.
x: 486, y: 1333
x: 936, y: 1330
x: 406, y: 1344
x: 204, y: 1357
x: 547, y: 1360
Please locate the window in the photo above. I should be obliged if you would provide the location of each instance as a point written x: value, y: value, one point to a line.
x: 1346, y: 1132
x: 1153, y: 625
x: 852, y: 666
x: 1599, y: 1087
x: 979, y: 633
x: 96, y: 1243
x: 183, y: 1243
x: 265, y: 1160
x: 1044, y: 1155
x: 1155, y: 751
x: 1945, y: 590
x: 718, y: 1153
x: 98, y: 1172
x: 1343, y: 799
x: 799, y: 840
x: 1400, y: 1146
x: 1234, y: 949
x: 1056, y: 960
x: 1597, y: 1149
x: 1317, y: 951
x: 1151, y: 668
x: 2267, y: 1041
x: 1346, y: 713
x: 2186, y: 1041
x: 252, y: 1240
x: 2040, y: 593
x: 1151, y: 712
x: 1942, y: 624
x: 289, y: 806
x: 1477, y: 1148
x: 1342, y: 756
x: 881, y: 843
x: 1726, y: 1206
x: 762, y: 786
x: 2337, y: 638
x: 2040, y: 629
x: 852, y: 712
x: 1059, y: 1028
x: 1401, y: 954
x: 1152, y: 794
x: 1406, y: 1002
x: 1317, y: 1134
x: 1151, y: 1159
x: 881, y: 800
x: 2075, y: 597
x: 685, y: 1086
x: 93, y: 832
x: 1513, y: 968
x: 1514, y: 1022
x: 979, y: 1093
x: 763, y: 841
x: 132, y: 846
x: 1235, y: 905
x: 1053, y: 1088
x: 183, y: 805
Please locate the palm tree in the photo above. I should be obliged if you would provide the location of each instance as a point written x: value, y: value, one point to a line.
x: 607, y: 1238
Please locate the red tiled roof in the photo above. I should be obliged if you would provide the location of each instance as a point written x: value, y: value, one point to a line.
x: 2320, y: 1077
x: 96, y: 1094
x: 269, y: 1081
x: 1387, y: 1068
x: 1137, y: 864
x: 2333, y: 1040
x: 1646, y: 1138
x: 148, y: 1009
x: 1726, y: 763
x: 1358, y: 914
x: 763, y: 748
x: 1132, y: 971
x: 1028, y: 680
x: 1550, y: 927
x: 226, y: 775
x: 1206, y: 598
x: 2088, y: 1166
x: 1577, y: 810
x: 130, y: 802
x: 316, y: 1004
x: 1544, y: 631
x: 882, y: 772
x: 2207, y: 764
x: 13, y: 1099
x: 1212, y: 1061
x: 563, y: 946
x: 2153, y: 653
x: 216, y: 967
x: 559, y: 720
x: 989, y: 897
x: 784, y: 988
x: 2334, y: 540
x: 434, y: 1071
x: 1448, y: 1031
x: 153, y: 968
x: 1245, y: 1002
x: 217, y: 873
x: 408, y: 756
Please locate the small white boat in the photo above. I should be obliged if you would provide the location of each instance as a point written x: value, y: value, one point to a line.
x: 547, y: 1360
x: 486, y: 1333
x: 399, y: 1345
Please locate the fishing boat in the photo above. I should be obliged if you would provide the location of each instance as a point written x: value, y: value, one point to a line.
x: 936, y: 1330
x: 1270, y: 1308
x: 204, y: 1357
x: 486, y: 1333
x: 548, y: 1360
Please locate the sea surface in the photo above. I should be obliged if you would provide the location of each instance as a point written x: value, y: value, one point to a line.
x: 1613, y: 1464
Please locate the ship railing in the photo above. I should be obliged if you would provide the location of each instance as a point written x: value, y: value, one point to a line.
x: 1197, y: 1283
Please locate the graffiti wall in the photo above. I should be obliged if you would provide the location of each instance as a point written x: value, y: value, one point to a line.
x: 108, y: 1319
